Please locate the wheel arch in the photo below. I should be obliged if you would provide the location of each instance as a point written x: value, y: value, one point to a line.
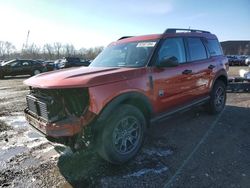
x: 222, y: 75
x: 136, y: 99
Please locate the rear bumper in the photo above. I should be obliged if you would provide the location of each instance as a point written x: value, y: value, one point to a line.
x: 63, y: 128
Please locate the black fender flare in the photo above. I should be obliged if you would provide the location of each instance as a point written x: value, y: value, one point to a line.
x: 220, y: 74
x: 125, y: 98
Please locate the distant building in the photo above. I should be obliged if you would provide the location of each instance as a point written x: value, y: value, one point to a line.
x: 236, y: 47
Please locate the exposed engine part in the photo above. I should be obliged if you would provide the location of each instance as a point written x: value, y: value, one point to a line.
x: 56, y: 104
x: 83, y: 140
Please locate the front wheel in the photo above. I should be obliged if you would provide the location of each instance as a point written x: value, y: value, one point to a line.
x: 217, y: 98
x: 122, y: 134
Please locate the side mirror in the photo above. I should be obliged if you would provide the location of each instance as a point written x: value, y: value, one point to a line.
x: 168, y: 62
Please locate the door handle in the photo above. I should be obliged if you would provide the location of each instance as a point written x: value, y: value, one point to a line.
x: 211, y: 67
x: 187, y: 71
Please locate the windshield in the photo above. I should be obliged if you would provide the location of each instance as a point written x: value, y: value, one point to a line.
x: 133, y: 54
x: 7, y: 62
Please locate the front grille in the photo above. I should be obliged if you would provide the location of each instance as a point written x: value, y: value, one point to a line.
x: 38, y: 106
x: 54, y: 105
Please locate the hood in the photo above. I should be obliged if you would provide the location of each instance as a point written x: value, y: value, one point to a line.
x: 81, y: 77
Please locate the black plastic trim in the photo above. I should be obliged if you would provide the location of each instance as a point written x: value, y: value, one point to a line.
x: 179, y: 109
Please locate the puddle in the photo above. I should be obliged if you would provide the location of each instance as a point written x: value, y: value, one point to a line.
x: 35, y: 143
x: 7, y: 154
x: 30, y: 162
x: 14, y: 93
x: 4, y: 88
x: 17, y: 122
x: 8, y: 101
x: 22, y: 139
x: 34, y: 135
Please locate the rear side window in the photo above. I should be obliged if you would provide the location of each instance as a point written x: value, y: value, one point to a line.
x: 214, y: 47
x: 196, y: 48
x: 25, y: 63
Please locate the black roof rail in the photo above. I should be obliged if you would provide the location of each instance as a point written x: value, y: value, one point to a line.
x: 124, y: 37
x: 175, y: 30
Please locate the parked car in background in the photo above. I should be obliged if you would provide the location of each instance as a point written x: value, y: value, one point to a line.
x: 21, y: 67
x: 231, y: 60
x: 50, y: 65
x: 247, y: 61
x: 239, y: 60
x: 242, y: 59
x: 68, y: 62
x: 57, y: 64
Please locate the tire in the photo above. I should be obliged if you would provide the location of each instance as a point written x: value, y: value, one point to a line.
x: 122, y: 134
x: 36, y: 71
x: 217, y: 98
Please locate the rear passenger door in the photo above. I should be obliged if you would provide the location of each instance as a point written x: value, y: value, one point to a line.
x: 203, y: 67
x: 26, y: 67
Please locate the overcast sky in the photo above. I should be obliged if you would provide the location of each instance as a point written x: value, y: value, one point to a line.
x: 89, y: 23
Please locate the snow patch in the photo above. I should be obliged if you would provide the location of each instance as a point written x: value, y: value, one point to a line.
x: 144, y: 171
x: 158, y: 152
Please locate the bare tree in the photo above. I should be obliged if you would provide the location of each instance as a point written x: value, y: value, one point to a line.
x: 91, y: 53
x: 57, y: 48
x: 82, y: 53
x: 10, y: 48
x: 48, y: 51
x: 69, y: 50
x: 2, y: 48
x: 6, y: 49
x: 48, y: 48
x: 31, y: 52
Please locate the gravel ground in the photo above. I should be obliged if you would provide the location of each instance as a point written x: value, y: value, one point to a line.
x: 192, y: 149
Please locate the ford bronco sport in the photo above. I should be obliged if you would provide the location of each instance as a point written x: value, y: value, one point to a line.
x: 134, y: 82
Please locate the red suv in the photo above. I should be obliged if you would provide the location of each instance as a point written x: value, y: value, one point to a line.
x: 135, y: 81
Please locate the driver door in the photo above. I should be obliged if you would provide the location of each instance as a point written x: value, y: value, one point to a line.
x: 13, y: 68
x: 172, y: 85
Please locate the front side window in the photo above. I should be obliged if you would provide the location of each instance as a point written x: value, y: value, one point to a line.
x: 196, y: 48
x: 172, y: 48
x: 15, y: 64
x: 131, y: 54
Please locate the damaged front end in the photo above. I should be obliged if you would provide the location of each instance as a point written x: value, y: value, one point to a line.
x: 60, y: 114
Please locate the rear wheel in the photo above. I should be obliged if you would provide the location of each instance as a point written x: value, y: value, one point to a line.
x: 122, y: 134
x: 218, y: 97
x: 36, y: 71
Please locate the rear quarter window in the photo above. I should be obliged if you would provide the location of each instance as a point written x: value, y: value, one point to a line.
x: 214, y: 47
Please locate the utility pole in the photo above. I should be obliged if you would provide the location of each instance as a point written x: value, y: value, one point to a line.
x: 27, y: 39
x: 25, y: 45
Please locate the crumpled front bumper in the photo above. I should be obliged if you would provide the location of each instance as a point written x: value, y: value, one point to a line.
x: 64, y: 128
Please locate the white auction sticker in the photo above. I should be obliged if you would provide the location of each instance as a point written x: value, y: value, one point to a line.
x: 146, y: 44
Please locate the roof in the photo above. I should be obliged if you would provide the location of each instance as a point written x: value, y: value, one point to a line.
x: 165, y: 35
